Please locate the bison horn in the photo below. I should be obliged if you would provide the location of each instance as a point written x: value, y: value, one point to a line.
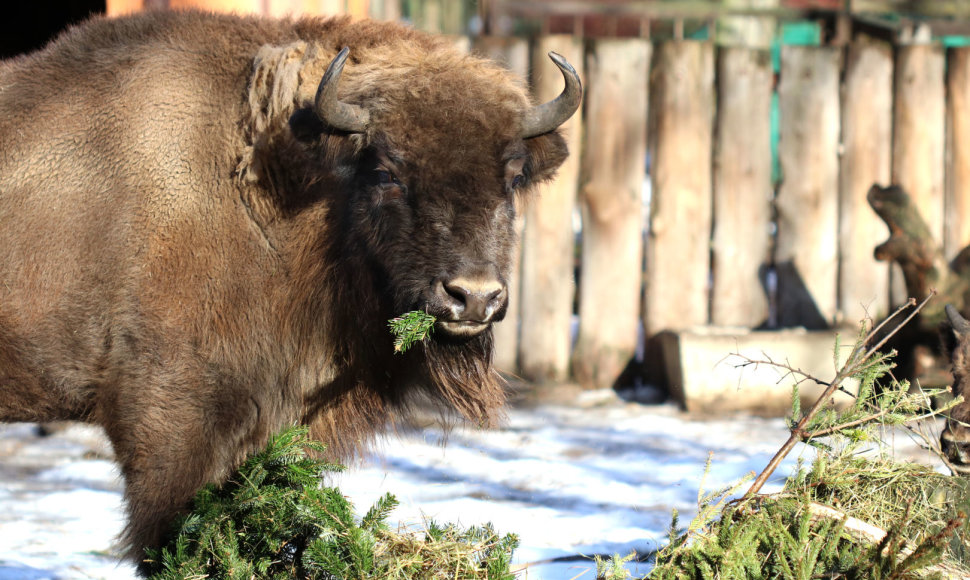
x: 959, y: 323
x: 339, y: 115
x: 544, y: 118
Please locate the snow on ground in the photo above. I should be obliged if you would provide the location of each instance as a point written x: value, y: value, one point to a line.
x: 600, y: 477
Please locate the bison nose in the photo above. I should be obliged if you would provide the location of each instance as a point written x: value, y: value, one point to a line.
x: 955, y: 450
x: 474, y: 300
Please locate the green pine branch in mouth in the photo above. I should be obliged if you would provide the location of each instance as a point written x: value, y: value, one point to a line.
x: 409, y: 328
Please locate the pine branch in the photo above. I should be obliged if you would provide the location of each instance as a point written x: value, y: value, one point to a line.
x: 414, y: 326
x: 858, y: 358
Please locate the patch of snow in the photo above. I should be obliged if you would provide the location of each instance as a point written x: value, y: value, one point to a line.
x: 570, y: 481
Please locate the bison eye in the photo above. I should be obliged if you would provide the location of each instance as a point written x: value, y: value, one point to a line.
x: 389, y: 185
x: 386, y: 178
x: 517, y: 181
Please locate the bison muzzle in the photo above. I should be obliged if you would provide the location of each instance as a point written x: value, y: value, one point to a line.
x: 955, y: 438
x: 206, y: 222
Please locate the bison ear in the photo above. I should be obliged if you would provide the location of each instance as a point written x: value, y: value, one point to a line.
x: 954, y: 330
x: 546, y: 153
x: 306, y: 126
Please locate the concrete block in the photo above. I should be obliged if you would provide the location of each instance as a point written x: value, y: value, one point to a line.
x: 705, y: 369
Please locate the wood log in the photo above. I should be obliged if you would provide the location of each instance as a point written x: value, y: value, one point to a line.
x: 547, y: 243
x: 614, y: 164
x: 807, y: 244
x: 863, y: 532
x: 866, y: 159
x: 681, y: 139
x: 742, y: 187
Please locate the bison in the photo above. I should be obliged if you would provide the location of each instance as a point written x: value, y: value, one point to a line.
x: 955, y: 438
x: 206, y: 222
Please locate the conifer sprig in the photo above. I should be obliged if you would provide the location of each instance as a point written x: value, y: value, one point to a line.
x: 409, y: 328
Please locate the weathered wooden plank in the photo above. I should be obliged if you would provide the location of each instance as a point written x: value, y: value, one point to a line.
x: 866, y: 159
x: 612, y: 209
x: 919, y: 137
x: 678, y: 245
x: 747, y: 31
x: 742, y: 187
x: 807, y: 244
x: 957, y: 219
x: 547, y: 243
x: 513, y: 53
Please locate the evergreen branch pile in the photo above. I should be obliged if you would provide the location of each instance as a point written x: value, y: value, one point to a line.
x: 893, y: 519
x: 274, y: 519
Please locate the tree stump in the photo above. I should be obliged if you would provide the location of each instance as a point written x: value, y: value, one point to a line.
x: 912, y: 245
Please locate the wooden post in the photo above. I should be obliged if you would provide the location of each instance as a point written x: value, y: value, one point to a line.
x: 614, y: 170
x: 548, y: 244
x: 918, y: 145
x: 957, y: 213
x: 513, y: 53
x: 866, y: 159
x: 678, y: 246
x: 742, y: 187
x: 807, y: 244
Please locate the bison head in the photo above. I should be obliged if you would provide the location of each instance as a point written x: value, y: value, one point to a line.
x: 955, y: 438
x: 443, y: 144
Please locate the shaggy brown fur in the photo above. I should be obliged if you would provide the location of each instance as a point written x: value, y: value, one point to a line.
x: 190, y: 258
x: 955, y: 438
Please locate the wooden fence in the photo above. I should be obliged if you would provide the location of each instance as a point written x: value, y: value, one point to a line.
x: 723, y: 241
x: 720, y: 243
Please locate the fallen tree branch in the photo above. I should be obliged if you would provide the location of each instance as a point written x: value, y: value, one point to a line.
x: 857, y: 359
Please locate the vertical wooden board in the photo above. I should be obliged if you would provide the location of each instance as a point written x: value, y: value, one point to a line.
x: 547, y: 243
x: 513, y: 53
x: 866, y: 159
x: 614, y: 157
x: 807, y: 253
x: 957, y: 219
x: 919, y: 138
x: 742, y: 187
x: 681, y: 140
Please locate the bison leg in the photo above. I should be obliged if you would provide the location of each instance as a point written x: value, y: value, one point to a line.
x: 168, y: 452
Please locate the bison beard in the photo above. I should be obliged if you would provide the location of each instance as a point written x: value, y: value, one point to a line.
x: 206, y: 222
x: 451, y: 368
